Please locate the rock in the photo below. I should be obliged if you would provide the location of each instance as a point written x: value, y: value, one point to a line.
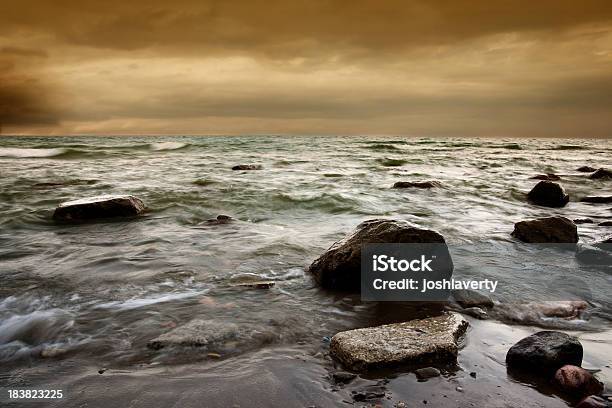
x: 417, y: 184
x: 586, y: 169
x: 471, y: 298
x: 107, y: 206
x: 196, y: 333
x: 593, y: 402
x: 371, y: 392
x: 597, y: 199
x: 577, y: 382
x: 416, y: 342
x: 546, y: 230
x: 247, y: 167
x: 476, y: 312
x: 583, y: 221
x: 539, y: 313
x: 605, y: 224
x: 343, y: 377
x: 548, y: 176
x: 601, y: 174
x: 427, y: 372
x: 548, y: 194
x: 340, y: 266
x: 473, y: 374
x: 593, y: 255
x: 545, y: 352
x: 221, y: 219
x: 251, y: 281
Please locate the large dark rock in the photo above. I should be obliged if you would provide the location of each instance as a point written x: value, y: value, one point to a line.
x: 108, y: 206
x: 247, y: 167
x: 597, y: 199
x: 586, y: 169
x: 605, y: 224
x: 601, y: 174
x: 340, y: 266
x: 577, y: 382
x: 548, y: 194
x: 546, y: 230
x: 417, y: 184
x: 545, y: 352
x: 433, y: 340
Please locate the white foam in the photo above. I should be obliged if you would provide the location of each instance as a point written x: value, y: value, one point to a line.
x: 136, y: 303
x: 25, y: 153
x: 167, y: 145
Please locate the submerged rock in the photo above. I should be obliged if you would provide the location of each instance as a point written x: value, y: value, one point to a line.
x: 548, y: 176
x: 545, y: 352
x: 548, y: 194
x: 471, y: 298
x: 219, y: 220
x: 601, y: 174
x: 577, y: 382
x: 196, y: 333
x: 586, y: 169
x: 583, y: 221
x: 343, y: 377
x: 546, y: 230
x: 540, y: 313
x: 340, y: 266
x: 597, y: 199
x: 426, y: 373
x: 107, y: 206
x: 416, y: 342
x: 247, y: 167
x: 251, y: 281
x: 417, y: 184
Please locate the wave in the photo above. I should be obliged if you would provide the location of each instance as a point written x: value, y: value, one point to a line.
x: 19, y: 153
x: 382, y: 146
x: 167, y: 146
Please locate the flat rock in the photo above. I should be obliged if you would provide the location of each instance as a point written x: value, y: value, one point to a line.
x: 247, y: 167
x: 471, y: 298
x: 339, y: 267
x: 106, y: 206
x: 601, y: 174
x: 196, y: 333
x: 586, y: 169
x: 417, y: 184
x: 251, y: 281
x: 546, y: 230
x: 426, y: 373
x: 597, y: 199
x: 416, y: 342
x: 548, y: 194
x: 548, y: 176
x: 545, y: 352
x: 577, y: 382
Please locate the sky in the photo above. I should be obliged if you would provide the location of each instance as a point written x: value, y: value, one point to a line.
x: 398, y: 67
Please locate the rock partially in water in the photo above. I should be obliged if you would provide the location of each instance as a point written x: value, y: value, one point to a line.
x: 196, y: 333
x: 586, y: 169
x: 339, y: 267
x: 471, y: 298
x: 601, y: 174
x: 546, y: 230
x: 605, y: 224
x: 597, y: 199
x: 577, y: 382
x: 417, y: 184
x: 247, y: 167
x: 219, y: 220
x: 540, y: 313
x: 251, y: 281
x: 548, y: 194
x: 548, y: 176
x: 583, y: 221
x: 369, y: 392
x: 594, y: 401
x: 107, y: 206
x: 417, y: 342
x: 343, y: 377
x: 427, y: 373
x: 545, y: 352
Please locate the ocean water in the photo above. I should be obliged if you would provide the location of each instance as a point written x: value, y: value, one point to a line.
x: 98, y: 292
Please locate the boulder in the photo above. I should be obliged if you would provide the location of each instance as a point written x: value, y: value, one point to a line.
x: 601, y: 174
x: 545, y: 352
x: 548, y: 194
x: 548, y: 176
x: 340, y: 266
x: 107, y: 206
x: 471, y: 298
x: 427, y: 373
x: 247, y: 167
x: 586, y: 169
x: 597, y: 199
x: 417, y: 184
x: 546, y: 230
x: 577, y: 382
x: 417, y: 342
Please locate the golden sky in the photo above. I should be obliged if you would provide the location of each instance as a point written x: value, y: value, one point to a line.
x: 401, y: 67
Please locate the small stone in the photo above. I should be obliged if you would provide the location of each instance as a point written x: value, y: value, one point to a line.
x: 473, y: 374
x: 427, y: 372
x: 577, y: 381
x: 213, y: 355
x: 417, y: 184
x: 247, y: 167
x: 219, y: 220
